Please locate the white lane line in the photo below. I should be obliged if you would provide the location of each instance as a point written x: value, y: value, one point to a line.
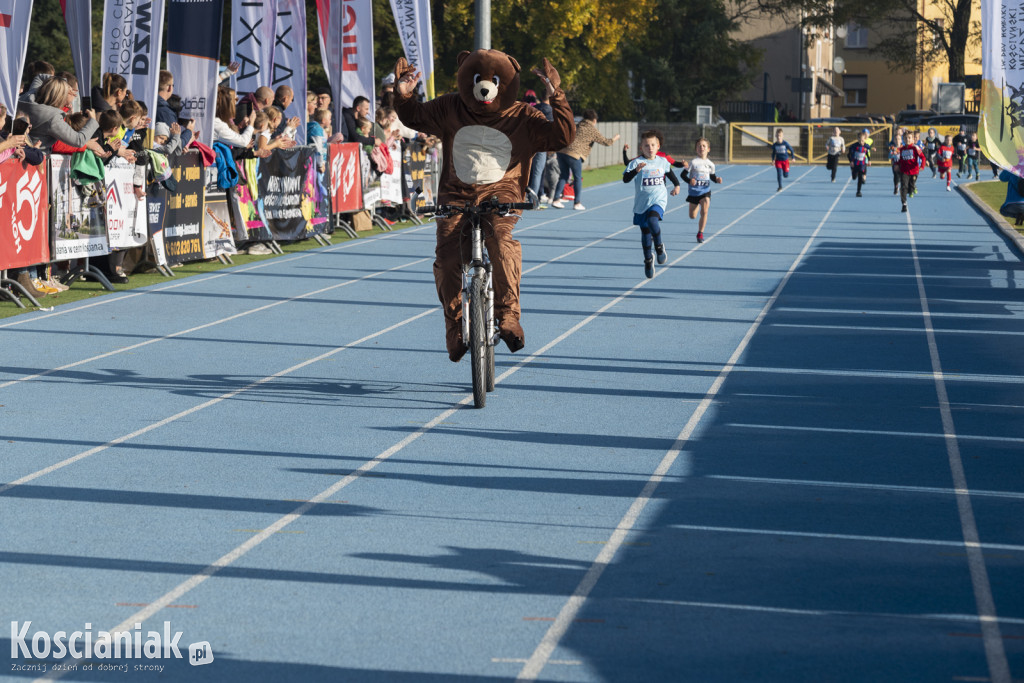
x: 913, y: 330
x: 847, y: 537
x: 542, y: 654
x: 195, y: 280
x: 888, y: 488
x: 236, y: 316
x: 995, y: 653
x: 878, y: 432
x: 901, y: 375
x: 901, y: 314
x: 194, y: 409
x: 957, y: 618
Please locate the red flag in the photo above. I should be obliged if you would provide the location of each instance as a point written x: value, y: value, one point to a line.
x: 5, y: 20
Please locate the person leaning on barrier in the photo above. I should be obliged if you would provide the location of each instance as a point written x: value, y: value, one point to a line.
x: 224, y: 128
x: 45, y: 113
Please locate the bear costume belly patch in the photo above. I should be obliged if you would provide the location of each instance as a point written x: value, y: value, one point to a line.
x: 481, y: 155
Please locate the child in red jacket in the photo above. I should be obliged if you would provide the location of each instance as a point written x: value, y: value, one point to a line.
x: 911, y: 158
x: 944, y: 160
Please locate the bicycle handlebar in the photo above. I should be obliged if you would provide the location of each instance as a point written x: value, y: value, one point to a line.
x: 485, y: 208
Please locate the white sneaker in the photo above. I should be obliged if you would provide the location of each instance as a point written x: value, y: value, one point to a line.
x: 947, y: 189
x: 558, y: 204
x: 544, y: 199
x: 578, y: 207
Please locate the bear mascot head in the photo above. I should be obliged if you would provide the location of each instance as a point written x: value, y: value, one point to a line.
x: 488, y: 80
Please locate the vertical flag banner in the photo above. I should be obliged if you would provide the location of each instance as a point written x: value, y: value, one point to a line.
x: 331, y: 58
x: 78, y: 19
x: 290, y: 59
x: 1001, y: 128
x: 193, y: 51
x: 350, y: 33
x: 416, y: 33
x: 252, y: 42
x: 132, y: 35
x: 14, y: 21
x: 357, y: 76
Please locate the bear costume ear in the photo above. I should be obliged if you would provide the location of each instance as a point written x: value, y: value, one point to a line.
x: 515, y: 64
x: 462, y: 57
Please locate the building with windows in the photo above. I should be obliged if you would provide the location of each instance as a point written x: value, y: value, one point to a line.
x: 870, y: 87
x: 797, y: 67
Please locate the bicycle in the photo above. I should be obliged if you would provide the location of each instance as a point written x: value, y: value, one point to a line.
x: 479, y: 328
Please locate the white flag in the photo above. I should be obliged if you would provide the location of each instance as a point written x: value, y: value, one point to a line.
x: 290, y: 59
x: 252, y: 43
x: 14, y: 21
x: 132, y: 37
x: 357, y: 78
x: 414, y: 28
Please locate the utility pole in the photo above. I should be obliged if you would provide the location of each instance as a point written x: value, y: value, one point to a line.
x: 482, y: 40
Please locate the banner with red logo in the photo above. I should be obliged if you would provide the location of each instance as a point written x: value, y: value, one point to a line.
x: 346, y: 41
x: 24, y: 215
x: 14, y: 21
x: 346, y: 188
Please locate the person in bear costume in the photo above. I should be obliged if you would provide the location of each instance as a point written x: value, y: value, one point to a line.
x: 489, y: 140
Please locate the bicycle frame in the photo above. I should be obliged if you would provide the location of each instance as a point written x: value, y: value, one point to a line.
x: 479, y: 265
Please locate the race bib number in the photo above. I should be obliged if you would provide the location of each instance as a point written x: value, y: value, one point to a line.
x: 860, y: 156
x: 648, y: 182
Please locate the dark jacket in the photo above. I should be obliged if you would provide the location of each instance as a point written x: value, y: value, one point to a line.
x: 165, y: 114
x: 351, y: 131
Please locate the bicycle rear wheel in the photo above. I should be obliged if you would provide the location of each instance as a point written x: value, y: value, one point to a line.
x: 478, y: 340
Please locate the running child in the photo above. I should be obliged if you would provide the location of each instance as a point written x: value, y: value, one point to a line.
x: 894, y: 158
x: 931, y: 148
x: 910, y: 161
x: 835, y: 146
x: 649, y: 171
x: 782, y: 152
x: 859, y: 155
x: 960, y: 148
x: 944, y: 160
x: 699, y: 177
x: 973, y: 156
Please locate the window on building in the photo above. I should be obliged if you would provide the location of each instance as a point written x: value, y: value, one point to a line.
x: 855, y: 89
x: 856, y: 37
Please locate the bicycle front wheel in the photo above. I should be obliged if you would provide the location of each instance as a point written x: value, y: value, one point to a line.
x: 478, y: 340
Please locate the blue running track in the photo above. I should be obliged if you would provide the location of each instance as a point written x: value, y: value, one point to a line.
x: 795, y: 454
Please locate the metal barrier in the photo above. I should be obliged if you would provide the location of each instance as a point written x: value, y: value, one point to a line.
x: 751, y: 142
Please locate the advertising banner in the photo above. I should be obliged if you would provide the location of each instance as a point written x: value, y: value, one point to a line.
x: 344, y: 178
x: 217, y: 238
x: 287, y: 193
x: 131, y: 47
x: 24, y: 215
x: 183, y: 220
x: 290, y: 59
x: 348, y: 50
x: 127, y: 218
x: 79, y: 230
x: 370, y: 180
x: 14, y: 21
x: 193, y: 48
x: 78, y: 20
x: 252, y: 43
x: 391, y: 183
x: 1001, y: 125
x: 245, y: 204
x: 156, y: 205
